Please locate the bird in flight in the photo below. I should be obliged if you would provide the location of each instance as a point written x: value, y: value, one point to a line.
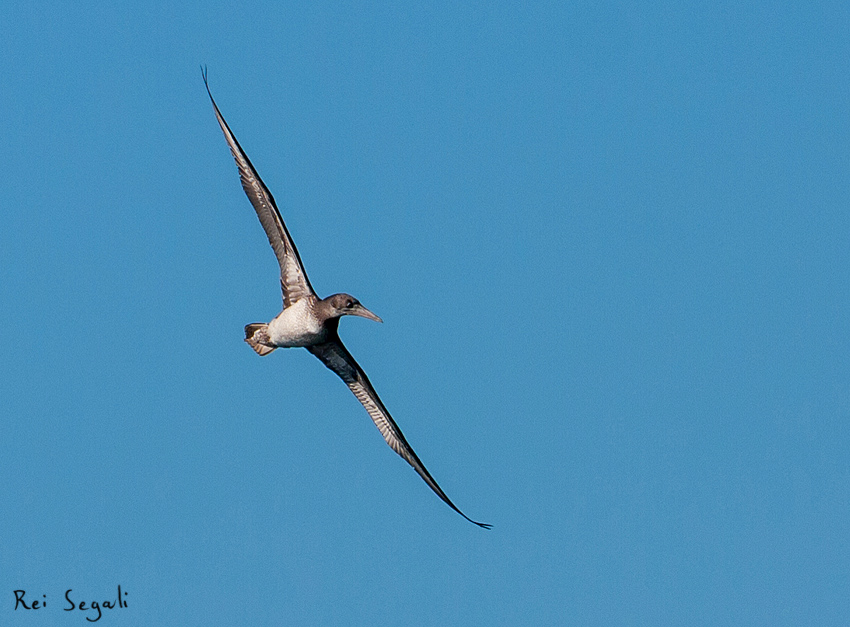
x: 310, y: 321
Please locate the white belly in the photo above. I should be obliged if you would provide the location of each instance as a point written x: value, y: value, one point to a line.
x: 296, y: 326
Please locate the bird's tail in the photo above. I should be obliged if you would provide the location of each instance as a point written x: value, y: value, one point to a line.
x: 257, y: 336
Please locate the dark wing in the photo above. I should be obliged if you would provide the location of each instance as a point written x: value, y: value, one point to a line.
x: 335, y: 356
x: 293, y: 280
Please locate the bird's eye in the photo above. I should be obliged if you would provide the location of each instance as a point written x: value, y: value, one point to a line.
x: 351, y: 303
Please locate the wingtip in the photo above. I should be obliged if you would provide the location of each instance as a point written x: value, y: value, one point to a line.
x: 474, y: 522
x: 206, y: 82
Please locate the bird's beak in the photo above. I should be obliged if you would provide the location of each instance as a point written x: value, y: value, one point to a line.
x: 361, y: 311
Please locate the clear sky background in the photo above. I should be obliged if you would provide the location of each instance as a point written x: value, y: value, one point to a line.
x: 611, y: 245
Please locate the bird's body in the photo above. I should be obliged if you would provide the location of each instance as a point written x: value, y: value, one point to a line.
x: 298, y: 325
x: 311, y: 322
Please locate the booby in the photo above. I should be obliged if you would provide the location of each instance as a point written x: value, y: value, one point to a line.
x: 312, y: 322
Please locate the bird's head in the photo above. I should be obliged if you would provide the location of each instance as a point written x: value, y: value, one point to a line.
x: 347, y: 305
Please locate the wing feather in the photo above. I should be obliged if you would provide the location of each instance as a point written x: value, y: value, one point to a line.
x: 293, y: 279
x: 336, y: 357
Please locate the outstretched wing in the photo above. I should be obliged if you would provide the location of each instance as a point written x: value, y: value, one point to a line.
x: 293, y: 280
x: 335, y: 356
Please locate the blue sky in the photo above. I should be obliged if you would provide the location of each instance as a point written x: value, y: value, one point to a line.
x: 609, y: 242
